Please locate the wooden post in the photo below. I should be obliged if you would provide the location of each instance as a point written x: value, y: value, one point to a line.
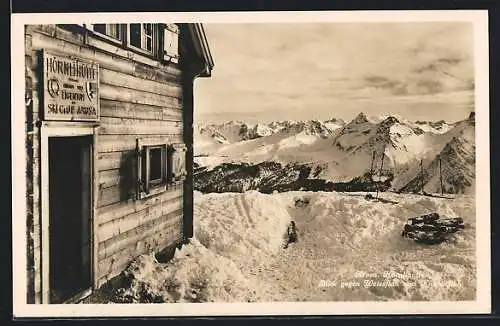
x: 371, y: 166
x: 440, y: 176
x: 380, y: 172
x: 192, y: 69
x: 188, y: 200
x: 421, y: 176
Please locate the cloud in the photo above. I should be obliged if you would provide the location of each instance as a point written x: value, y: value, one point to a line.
x: 429, y: 86
x: 396, y: 87
x: 451, y: 61
x: 439, y: 64
x: 298, y: 70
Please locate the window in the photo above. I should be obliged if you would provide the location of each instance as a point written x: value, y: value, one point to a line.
x: 152, y: 168
x: 112, y: 30
x: 158, y: 41
x: 143, y: 36
x: 155, y: 165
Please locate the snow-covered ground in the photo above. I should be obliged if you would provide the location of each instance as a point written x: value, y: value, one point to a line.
x: 349, y: 249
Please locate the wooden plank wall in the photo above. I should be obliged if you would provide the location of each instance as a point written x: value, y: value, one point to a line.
x: 33, y: 206
x: 139, y: 97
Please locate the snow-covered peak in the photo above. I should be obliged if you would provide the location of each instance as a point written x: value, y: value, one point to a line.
x: 335, y: 120
x: 262, y: 130
x: 472, y: 117
x: 360, y: 118
x: 233, y: 123
x: 455, y: 164
x: 398, y: 140
x: 219, y: 138
x: 389, y: 121
x: 314, y: 128
x: 334, y: 124
x: 248, y: 132
x: 436, y: 127
x: 434, y: 124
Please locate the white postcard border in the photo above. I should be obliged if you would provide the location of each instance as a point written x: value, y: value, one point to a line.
x: 482, y: 304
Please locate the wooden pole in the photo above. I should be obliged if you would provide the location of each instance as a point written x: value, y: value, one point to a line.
x: 371, y: 166
x: 380, y: 171
x: 440, y: 176
x: 421, y: 176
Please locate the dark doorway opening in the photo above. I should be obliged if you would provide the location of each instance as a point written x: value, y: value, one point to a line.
x: 70, y: 207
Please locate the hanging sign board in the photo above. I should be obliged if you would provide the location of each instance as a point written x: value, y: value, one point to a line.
x: 71, y: 89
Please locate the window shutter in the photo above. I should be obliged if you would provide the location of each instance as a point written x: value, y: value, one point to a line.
x: 169, y: 165
x: 178, y: 162
x: 182, y: 162
x: 165, y: 162
x: 138, y: 166
x: 147, y: 165
x: 171, y: 42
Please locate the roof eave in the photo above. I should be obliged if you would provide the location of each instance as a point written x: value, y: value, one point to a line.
x: 202, y: 47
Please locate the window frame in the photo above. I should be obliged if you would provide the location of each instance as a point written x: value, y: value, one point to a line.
x: 155, y: 40
x: 159, y: 52
x: 119, y: 41
x: 145, y: 186
x: 152, y: 183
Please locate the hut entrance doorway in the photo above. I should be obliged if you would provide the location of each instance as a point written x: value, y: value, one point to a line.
x: 70, y: 216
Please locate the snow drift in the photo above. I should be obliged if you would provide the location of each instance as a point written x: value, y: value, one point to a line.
x: 349, y: 249
x: 231, y: 231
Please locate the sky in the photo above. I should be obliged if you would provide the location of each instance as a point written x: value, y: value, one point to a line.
x: 301, y: 71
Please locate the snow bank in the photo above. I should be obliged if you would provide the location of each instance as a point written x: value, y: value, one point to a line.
x: 351, y: 235
x: 195, y: 274
x: 351, y: 243
x: 240, y: 225
x: 230, y: 231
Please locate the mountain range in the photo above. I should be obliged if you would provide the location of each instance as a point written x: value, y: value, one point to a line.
x: 411, y: 154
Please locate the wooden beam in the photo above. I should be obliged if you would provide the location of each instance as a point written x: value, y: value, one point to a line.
x: 125, y: 126
x: 117, y: 210
x: 118, y: 143
x: 140, y: 67
x: 113, y: 234
x: 119, y: 109
x: 171, y: 89
x: 130, y: 244
x: 111, y: 92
